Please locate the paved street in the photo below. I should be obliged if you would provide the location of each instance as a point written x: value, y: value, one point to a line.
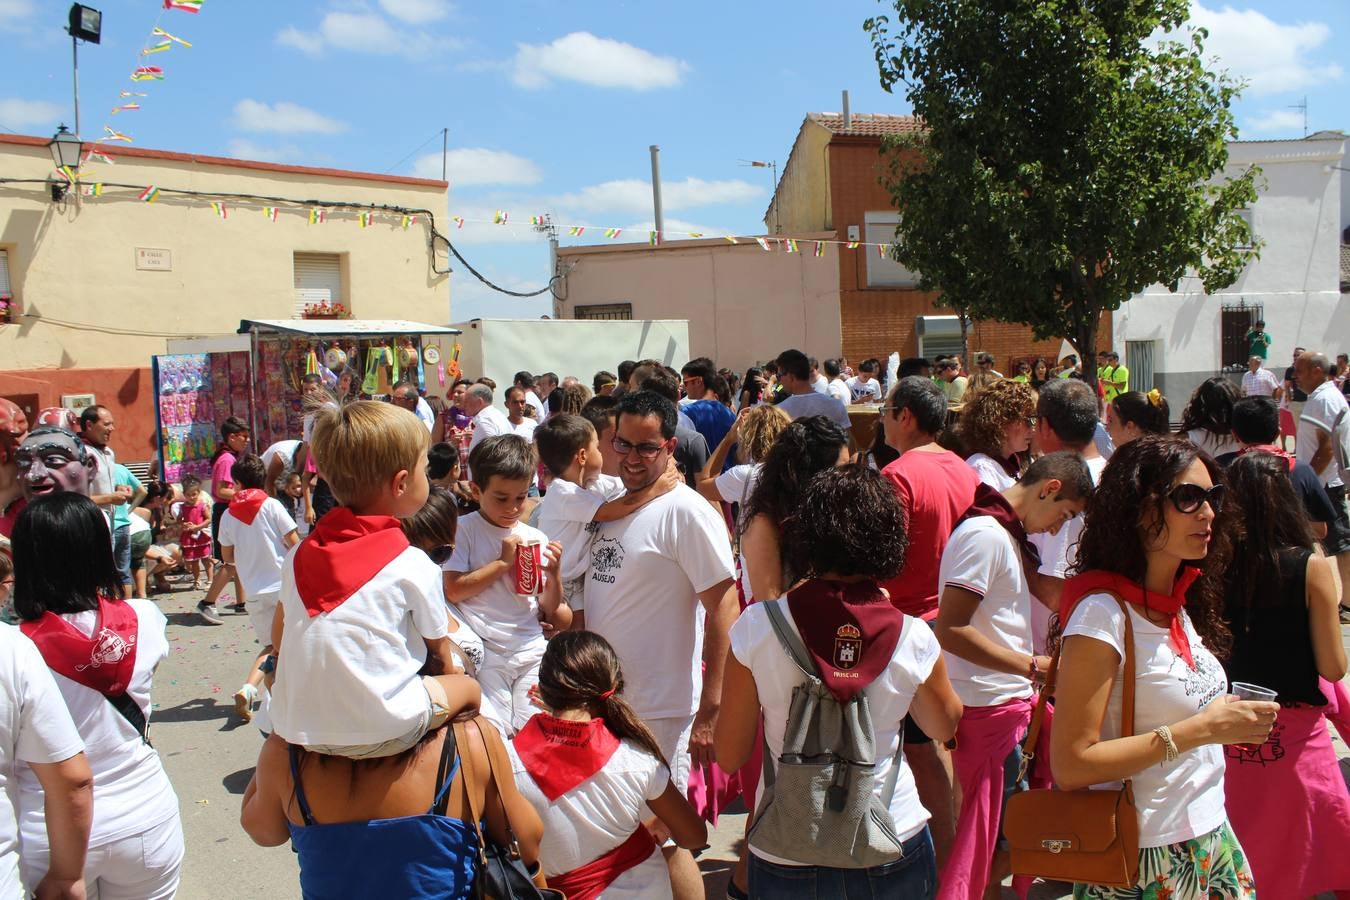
x: 210, y: 755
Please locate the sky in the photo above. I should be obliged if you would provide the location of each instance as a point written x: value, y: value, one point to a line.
x: 550, y: 107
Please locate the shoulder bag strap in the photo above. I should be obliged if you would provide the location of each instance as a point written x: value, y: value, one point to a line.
x: 1127, y: 674
x: 127, y: 708
x: 443, y: 773
x: 469, y: 768
x: 792, y: 645
x: 497, y: 763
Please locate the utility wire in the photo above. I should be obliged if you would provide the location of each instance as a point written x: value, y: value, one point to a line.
x: 414, y: 153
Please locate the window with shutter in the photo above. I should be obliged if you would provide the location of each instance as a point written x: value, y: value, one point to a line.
x: 884, y: 271
x: 318, y: 279
x: 6, y: 292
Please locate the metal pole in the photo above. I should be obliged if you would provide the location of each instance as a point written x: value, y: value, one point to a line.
x: 445, y: 146
x: 656, y: 188
x: 75, y: 68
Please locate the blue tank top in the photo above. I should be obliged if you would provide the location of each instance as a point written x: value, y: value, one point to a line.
x: 427, y: 856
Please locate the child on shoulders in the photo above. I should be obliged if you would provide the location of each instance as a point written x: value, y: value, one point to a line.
x: 580, y: 496
x: 480, y: 582
x: 364, y: 664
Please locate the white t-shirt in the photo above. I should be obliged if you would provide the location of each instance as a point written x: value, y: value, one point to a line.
x: 489, y: 423
x: 137, y: 524
x: 736, y: 485
x: 425, y: 413
x: 284, y: 449
x: 259, y: 547
x: 647, y: 571
x: 1320, y: 413
x: 812, y: 404
x: 567, y: 515
x: 348, y: 676
x: 506, y: 622
x: 838, y: 389
x: 533, y: 402
x: 132, y: 793
x: 1184, y: 798
x: 600, y: 814
x: 525, y: 429
x: 756, y: 647
x: 981, y: 557
x: 35, y: 727
x: 820, y: 384
x: 1213, y: 444
x: 1060, y: 550
x: 991, y: 471
x: 863, y: 391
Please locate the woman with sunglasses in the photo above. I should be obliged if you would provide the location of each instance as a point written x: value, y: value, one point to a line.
x: 1155, y: 547
x: 432, y: 530
x: 996, y: 429
x: 1286, y: 798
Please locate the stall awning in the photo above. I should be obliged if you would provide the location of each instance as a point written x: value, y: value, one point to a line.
x: 342, y: 327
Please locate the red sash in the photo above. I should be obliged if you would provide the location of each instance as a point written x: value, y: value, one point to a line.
x: 102, y: 661
x: 341, y: 554
x: 1272, y: 450
x: 1094, y: 580
x: 560, y: 754
x: 589, y: 881
x: 244, y: 505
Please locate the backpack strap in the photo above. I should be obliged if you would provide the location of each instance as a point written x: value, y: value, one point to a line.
x: 126, y: 706
x: 791, y: 643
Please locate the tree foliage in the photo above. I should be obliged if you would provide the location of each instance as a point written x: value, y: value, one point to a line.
x: 1073, y: 154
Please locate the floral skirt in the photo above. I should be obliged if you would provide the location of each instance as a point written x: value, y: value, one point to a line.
x: 1209, y: 867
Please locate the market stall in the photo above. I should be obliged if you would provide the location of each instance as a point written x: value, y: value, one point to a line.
x: 256, y: 375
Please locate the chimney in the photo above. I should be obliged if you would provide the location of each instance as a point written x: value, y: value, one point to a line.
x: 848, y: 116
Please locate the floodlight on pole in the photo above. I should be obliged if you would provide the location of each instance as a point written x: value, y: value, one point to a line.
x: 86, y: 24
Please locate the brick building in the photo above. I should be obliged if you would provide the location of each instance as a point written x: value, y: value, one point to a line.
x: 832, y: 182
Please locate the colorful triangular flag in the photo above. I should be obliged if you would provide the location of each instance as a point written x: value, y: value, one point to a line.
x: 114, y: 135
x: 613, y: 232
x: 157, y: 47
x: 148, y: 73
x: 316, y: 215
x: 160, y: 32
x: 220, y: 209
x: 790, y: 245
x: 730, y: 239
x: 654, y: 238
x: 92, y: 190
x: 149, y: 195
x: 820, y: 248
x: 694, y: 234
x: 499, y: 217
x: 576, y: 230
x: 67, y: 173
x: 125, y: 107
x: 883, y: 249
x: 852, y: 245
x: 270, y: 212
x: 366, y: 219
x: 192, y: 6
x: 458, y: 220
x: 133, y: 94
x: 763, y: 244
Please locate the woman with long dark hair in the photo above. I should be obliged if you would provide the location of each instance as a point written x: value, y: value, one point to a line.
x: 842, y: 517
x: 594, y: 771
x: 1208, y: 418
x: 103, y: 651
x: 1155, y: 547
x: 809, y: 445
x: 1287, y: 800
x: 1040, y: 373
x: 752, y: 391
x: 1134, y: 413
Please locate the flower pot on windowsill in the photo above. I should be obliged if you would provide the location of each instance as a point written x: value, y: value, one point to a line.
x: 326, y: 311
x: 6, y: 309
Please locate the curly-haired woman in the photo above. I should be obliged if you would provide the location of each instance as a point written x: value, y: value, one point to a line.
x: 996, y: 428
x: 1155, y: 549
x: 844, y: 515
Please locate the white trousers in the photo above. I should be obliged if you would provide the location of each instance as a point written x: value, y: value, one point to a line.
x: 506, y: 680
x: 145, y: 866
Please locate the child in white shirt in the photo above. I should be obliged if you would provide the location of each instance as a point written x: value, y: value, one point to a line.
x: 480, y: 580
x: 256, y: 534
x: 364, y: 657
x: 581, y: 496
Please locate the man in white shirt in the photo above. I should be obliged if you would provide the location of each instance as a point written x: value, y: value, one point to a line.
x: 488, y: 421
x: 794, y: 374
x: 96, y: 430
x: 864, y: 387
x: 526, y: 382
x: 405, y: 395
x: 819, y: 383
x: 1259, y: 381
x: 1322, y: 441
x: 984, y: 627
x: 837, y: 386
x: 654, y: 577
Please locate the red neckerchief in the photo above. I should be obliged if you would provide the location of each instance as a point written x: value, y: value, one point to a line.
x: 1289, y: 459
x: 989, y: 502
x: 560, y: 754
x: 341, y: 554
x: 102, y: 661
x: 245, y: 504
x: 588, y: 881
x: 1084, y: 583
x: 850, y: 629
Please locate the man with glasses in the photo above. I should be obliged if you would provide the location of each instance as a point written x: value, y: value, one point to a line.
x: 654, y: 576
x: 405, y: 395
x: 985, y: 362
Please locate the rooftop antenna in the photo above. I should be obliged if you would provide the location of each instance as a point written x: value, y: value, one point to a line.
x: 772, y: 166
x: 1303, y: 108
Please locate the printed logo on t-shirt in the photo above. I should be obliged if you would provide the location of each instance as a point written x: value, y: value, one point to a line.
x: 109, y: 650
x: 1206, y: 681
x: 847, y: 646
x: 606, y: 558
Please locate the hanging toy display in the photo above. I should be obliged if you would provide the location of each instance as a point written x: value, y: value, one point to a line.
x: 370, y: 385
x: 335, y: 358
x: 407, y: 354
x: 453, y: 369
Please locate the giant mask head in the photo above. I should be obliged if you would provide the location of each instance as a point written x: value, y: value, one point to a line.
x: 53, y: 459
x: 13, y: 426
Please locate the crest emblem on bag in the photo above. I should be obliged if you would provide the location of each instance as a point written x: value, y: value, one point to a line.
x: 847, y: 646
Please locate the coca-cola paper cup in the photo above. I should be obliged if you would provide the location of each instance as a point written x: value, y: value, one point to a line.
x: 529, y: 568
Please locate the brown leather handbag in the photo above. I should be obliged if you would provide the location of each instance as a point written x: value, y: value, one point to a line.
x: 1085, y: 836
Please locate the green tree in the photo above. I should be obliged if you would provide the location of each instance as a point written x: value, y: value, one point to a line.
x: 1073, y: 155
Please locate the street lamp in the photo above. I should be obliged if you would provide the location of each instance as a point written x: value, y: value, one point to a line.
x: 65, y: 149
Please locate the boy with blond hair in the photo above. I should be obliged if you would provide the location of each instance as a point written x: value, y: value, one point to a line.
x: 479, y: 580
x: 362, y: 628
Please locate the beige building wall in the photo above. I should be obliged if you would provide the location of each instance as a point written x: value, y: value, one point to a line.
x: 744, y: 305
x: 803, y: 194
x: 83, y: 302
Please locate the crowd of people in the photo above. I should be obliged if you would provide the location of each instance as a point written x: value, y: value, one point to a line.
x: 552, y: 631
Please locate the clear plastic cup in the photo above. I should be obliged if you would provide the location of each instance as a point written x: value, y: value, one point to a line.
x: 1244, y: 691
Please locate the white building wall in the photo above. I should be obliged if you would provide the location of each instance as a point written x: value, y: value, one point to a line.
x: 1303, y: 204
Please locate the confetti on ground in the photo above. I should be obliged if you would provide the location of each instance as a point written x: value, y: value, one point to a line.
x: 204, y: 802
x: 215, y: 689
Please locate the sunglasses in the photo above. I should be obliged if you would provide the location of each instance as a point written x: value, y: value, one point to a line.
x: 440, y: 554
x: 1188, y: 498
x: 644, y: 451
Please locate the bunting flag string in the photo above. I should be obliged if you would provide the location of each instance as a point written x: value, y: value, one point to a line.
x: 220, y: 209
x: 537, y: 220
x: 499, y: 218
x: 458, y: 220
x: 92, y: 190
x: 68, y: 174
x: 790, y: 245
x: 654, y: 238
x: 124, y: 107
x: 114, y: 135
x: 270, y: 212
x: 820, y: 248
x: 160, y: 32
x: 192, y: 6
x: 94, y: 154
x: 149, y: 195
x: 148, y: 73
x: 158, y: 47
x: 613, y: 232
x: 574, y: 231
x: 316, y: 215
x: 763, y: 244
x: 366, y: 219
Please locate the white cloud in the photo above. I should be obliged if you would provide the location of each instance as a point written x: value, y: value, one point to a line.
x: 242, y: 148
x: 633, y: 195
x: 469, y: 166
x: 369, y: 32
x: 418, y: 12
x: 14, y: 13
x: 471, y: 299
x: 1276, y: 121
x: 291, y: 118
x: 583, y: 57
x: 1270, y: 55
x: 18, y: 113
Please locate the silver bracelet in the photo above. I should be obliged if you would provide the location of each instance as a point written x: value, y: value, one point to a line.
x: 1170, y: 751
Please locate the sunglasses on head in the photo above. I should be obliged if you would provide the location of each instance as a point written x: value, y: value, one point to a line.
x: 1188, y: 498
x: 440, y: 554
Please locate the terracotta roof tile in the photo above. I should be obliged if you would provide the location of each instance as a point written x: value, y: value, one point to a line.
x: 867, y: 124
